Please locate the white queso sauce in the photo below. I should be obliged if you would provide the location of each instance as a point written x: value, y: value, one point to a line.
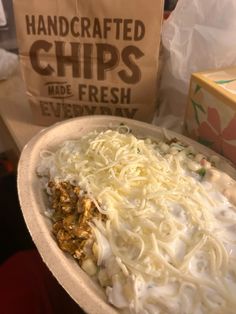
x: 168, y: 244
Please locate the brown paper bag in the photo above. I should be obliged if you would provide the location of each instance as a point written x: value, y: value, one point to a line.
x: 86, y: 57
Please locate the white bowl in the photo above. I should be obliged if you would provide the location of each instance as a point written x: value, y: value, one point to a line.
x: 33, y: 202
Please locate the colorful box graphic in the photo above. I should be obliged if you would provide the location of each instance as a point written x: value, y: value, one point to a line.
x: 211, y: 110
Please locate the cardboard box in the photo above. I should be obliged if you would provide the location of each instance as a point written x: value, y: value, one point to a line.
x: 211, y: 110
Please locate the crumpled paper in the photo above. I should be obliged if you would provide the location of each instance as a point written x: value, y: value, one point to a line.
x: 199, y: 35
x: 8, y: 64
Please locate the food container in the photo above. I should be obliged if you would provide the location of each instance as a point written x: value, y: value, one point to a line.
x: 33, y: 201
x: 211, y: 110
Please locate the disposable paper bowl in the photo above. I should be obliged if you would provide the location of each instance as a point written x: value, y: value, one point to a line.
x: 33, y: 202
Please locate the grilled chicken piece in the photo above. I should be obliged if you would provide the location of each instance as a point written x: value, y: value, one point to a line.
x: 72, y: 214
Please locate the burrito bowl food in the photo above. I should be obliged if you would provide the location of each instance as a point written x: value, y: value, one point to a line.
x: 152, y: 221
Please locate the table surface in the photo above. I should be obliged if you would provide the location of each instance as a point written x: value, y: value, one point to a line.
x: 15, y: 110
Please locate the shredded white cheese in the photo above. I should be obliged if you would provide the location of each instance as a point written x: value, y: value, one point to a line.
x: 171, y: 249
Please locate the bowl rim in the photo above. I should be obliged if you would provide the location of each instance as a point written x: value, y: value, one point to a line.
x: 78, y: 284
